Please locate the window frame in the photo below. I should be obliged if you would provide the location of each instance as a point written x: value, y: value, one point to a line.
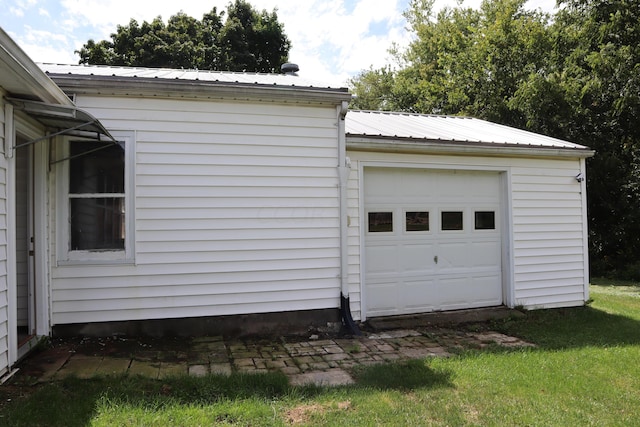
x: 65, y: 255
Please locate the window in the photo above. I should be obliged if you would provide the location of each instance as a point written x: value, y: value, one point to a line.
x: 417, y: 221
x: 96, y: 196
x: 451, y: 220
x: 380, y: 222
x: 485, y: 220
x: 96, y: 204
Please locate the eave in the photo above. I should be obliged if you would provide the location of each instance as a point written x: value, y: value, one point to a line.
x: 384, y: 144
x: 194, y: 89
x: 21, y: 77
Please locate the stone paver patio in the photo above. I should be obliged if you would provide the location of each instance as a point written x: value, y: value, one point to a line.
x: 320, y: 361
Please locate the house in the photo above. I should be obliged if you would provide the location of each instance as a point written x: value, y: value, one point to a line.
x: 155, y: 201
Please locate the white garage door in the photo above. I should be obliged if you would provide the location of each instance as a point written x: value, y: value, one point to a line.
x: 432, y: 240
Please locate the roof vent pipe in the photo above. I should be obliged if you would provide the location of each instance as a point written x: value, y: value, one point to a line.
x: 290, y: 68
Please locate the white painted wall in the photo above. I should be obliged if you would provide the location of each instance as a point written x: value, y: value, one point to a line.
x: 547, y: 266
x: 236, y: 208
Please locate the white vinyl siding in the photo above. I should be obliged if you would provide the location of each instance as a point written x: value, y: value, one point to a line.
x: 548, y: 258
x: 236, y: 211
x: 4, y: 280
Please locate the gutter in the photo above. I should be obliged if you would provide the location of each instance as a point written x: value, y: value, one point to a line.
x: 344, y: 167
x: 195, y: 89
x: 421, y: 146
x: 24, y: 70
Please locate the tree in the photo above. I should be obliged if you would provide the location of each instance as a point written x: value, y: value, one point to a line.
x: 464, y: 62
x: 247, y: 41
x: 251, y: 40
x: 597, y: 66
x: 374, y: 90
x: 575, y: 77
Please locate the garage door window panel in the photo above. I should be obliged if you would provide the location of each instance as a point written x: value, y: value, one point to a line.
x: 451, y: 221
x: 485, y: 220
x: 416, y: 221
x: 380, y: 222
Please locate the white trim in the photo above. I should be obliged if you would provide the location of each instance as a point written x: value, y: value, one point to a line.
x: 12, y: 278
x: 64, y: 256
x: 432, y: 166
x: 363, y: 230
x: 420, y: 146
x: 585, y: 227
x: 41, y: 239
x: 23, y: 125
x: 9, y: 134
x: 508, y: 260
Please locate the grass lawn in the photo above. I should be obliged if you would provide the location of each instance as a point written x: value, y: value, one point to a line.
x: 585, y: 371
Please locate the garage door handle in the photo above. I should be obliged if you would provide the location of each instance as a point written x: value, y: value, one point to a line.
x: 435, y: 259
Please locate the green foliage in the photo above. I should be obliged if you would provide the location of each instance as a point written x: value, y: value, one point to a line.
x: 573, y: 76
x: 247, y: 40
x: 251, y: 40
x: 374, y: 89
x: 598, y: 57
x: 466, y: 62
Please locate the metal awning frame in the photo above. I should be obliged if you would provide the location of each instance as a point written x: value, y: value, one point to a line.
x: 51, y: 135
x: 79, y: 123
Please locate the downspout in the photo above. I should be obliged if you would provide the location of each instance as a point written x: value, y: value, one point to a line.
x: 344, y: 167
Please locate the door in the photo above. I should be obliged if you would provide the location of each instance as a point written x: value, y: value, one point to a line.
x: 25, y: 291
x: 432, y: 240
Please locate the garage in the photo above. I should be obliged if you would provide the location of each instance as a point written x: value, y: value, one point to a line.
x: 432, y: 240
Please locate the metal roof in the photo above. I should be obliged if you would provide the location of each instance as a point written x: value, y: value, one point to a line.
x: 454, y: 129
x: 283, y: 80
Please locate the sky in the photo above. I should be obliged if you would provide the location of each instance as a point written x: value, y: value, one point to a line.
x: 332, y: 40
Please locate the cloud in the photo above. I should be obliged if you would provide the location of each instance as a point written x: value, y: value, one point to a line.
x: 45, y: 46
x: 21, y: 6
x: 334, y: 40
x: 16, y: 11
x: 331, y: 40
x: 43, y: 37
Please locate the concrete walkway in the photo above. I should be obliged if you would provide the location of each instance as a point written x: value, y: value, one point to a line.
x: 318, y: 361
